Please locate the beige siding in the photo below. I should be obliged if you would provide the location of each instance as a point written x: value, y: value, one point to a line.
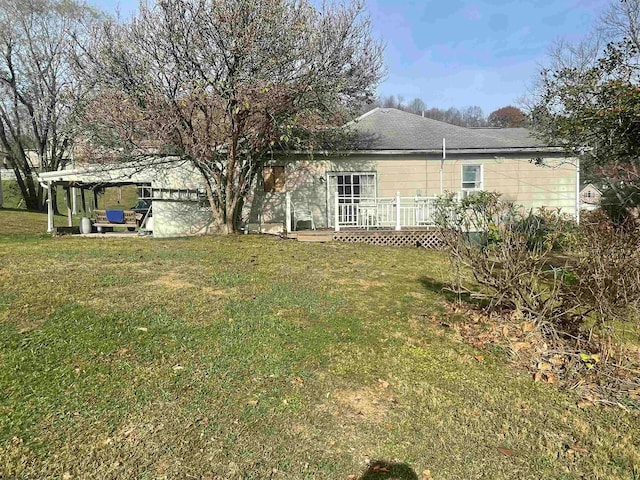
x: 517, y: 179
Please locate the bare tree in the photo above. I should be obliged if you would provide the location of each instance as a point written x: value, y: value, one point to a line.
x: 38, y: 89
x: 417, y: 106
x: 224, y: 83
x: 389, y: 102
x: 473, y: 116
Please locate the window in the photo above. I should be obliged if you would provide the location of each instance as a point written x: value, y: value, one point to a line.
x: 471, y: 177
x: 273, y: 178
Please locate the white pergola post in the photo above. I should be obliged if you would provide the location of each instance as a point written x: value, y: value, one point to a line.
x: 74, y: 200
x: 49, y: 207
x: 398, y: 223
x: 336, y: 212
x: 68, y: 198
x: 1, y: 194
x: 287, y: 199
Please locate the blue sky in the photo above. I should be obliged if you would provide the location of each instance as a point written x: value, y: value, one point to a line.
x: 460, y: 53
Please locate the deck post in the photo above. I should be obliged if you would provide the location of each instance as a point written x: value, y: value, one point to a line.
x: 287, y: 199
x: 336, y: 212
x: 398, y: 223
x: 49, y: 207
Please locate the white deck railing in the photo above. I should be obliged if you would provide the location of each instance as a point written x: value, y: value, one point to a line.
x: 371, y: 213
x: 387, y: 212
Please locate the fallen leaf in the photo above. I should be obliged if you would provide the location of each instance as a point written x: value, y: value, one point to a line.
x: 505, y: 330
x: 577, y: 448
x: 584, y: 404
x: 143, y: 329
x: 528, y: 327
x: 383, y: 383
x: 351, y: 477
x: 544, y: 366
x: 550, y: 378
x: 253, y: 403
x: 479, y: 357
x: 557, y: 360
x: 426, y: 475
x: 177, y: 368
x: 520, y: 346
x: 507, y: 452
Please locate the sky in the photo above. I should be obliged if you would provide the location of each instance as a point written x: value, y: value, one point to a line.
x: 461, y: 53
x: 464, y: 52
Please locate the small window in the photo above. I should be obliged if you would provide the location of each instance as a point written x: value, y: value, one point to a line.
x: 273, y: 179
x: 471, y: 177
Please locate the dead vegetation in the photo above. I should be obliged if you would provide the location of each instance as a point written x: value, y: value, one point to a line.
x: 573, y: 307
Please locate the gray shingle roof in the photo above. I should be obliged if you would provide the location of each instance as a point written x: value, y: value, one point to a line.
x: 392, y: 129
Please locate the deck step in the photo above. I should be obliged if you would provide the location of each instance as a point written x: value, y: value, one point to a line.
x: 315, y: 237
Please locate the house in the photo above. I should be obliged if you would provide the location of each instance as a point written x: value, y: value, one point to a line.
x: 590, y: 197
x: 415, y: 158
x: 389, y: 180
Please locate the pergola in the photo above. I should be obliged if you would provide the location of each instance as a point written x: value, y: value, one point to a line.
x: 91, y: 178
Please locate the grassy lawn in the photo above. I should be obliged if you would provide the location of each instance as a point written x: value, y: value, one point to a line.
x: 252, y: 357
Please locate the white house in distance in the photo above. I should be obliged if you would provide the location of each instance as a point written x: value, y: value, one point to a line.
x: 590, y: 197
x: 389, y: 181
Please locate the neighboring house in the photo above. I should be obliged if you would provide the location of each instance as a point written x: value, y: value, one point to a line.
x: 590, y: 197
x: 399, y: 155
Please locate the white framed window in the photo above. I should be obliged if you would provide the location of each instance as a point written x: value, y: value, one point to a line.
x: 472, y: 177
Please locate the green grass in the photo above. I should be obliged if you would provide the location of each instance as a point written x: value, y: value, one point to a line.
x: 110, y: 199
x: 232, y: 357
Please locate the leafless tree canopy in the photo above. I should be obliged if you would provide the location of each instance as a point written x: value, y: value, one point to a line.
x: 225, y: 83
x: 39, y: 91
x: 471, y: 116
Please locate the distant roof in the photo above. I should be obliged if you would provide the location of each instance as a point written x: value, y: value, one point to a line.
x: 393, y: 129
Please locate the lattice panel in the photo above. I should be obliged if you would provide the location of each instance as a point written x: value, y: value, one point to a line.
x: 407, y: 238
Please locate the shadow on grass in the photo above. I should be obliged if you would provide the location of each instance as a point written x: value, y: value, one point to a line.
x: 382, y: 470
x: 442, y: 289
x: 451, y: 296
x: 22, y: 210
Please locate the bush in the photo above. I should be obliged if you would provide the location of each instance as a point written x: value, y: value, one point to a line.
x: 515, y: 263
x: 576, y: 283
x: 511, y: 261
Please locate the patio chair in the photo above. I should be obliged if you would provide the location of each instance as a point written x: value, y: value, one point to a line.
x: 302, y: 214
